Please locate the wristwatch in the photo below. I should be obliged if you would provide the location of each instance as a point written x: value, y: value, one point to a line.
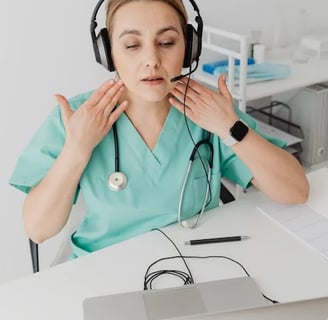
x: 237, y: 133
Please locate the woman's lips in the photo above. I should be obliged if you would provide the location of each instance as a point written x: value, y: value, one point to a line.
x: 153, y: 80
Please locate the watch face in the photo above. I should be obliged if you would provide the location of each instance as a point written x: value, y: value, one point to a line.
x: 239, y: 130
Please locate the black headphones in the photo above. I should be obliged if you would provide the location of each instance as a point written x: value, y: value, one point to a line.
x: 102, y: 46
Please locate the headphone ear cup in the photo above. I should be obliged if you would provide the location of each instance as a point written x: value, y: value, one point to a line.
x: 102, y: 50
x: 192, y: 51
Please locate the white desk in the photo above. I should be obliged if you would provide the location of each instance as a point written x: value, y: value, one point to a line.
x: 302, y: 75
x: 282, y: 266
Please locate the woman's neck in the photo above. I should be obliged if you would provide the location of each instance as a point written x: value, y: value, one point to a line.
x: 148, y: 118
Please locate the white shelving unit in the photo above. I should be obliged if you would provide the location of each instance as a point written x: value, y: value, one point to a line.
x: 302, y: 74
x: 233, y: 46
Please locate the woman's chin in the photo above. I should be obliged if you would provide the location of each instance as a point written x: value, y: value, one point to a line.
x: 154, y: 97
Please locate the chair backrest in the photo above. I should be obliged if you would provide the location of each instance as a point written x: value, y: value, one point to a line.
x: 34, y: 247
x: 225, y: 195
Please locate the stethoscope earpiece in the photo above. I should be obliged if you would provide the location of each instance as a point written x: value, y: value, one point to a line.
x: 117, y: 181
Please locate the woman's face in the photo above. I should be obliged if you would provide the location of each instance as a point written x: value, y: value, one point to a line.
x: 147, y: 48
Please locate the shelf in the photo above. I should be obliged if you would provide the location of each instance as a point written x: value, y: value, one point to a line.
x: 277, y: 133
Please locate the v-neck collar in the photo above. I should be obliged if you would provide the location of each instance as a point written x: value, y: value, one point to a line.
x: 161, y: 151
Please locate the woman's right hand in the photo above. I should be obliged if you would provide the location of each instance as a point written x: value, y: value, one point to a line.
x: 88, y: 125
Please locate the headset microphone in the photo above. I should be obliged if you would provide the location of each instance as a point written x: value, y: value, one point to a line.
x: 179, y: 77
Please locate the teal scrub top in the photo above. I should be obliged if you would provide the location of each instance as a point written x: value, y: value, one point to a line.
x: 155, y: 177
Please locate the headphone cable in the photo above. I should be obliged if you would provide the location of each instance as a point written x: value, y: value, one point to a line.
x: 187, y: 277
x: 193, y: 141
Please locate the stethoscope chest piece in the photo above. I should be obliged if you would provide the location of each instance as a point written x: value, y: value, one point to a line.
x: 117, y: 181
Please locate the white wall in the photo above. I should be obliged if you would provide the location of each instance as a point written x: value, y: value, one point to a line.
x: 46, y: 48
x: 293, y: 16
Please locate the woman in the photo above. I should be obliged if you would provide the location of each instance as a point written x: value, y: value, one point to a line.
x: 157, y: 121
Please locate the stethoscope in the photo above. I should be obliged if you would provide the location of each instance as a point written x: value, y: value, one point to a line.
x: 188, y: 223
x: 118, y: 180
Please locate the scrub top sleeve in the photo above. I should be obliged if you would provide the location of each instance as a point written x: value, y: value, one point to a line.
x: 40, y: 154
x: 232, y: 167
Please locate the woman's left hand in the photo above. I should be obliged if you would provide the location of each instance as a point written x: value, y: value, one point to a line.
x: 213, y: 111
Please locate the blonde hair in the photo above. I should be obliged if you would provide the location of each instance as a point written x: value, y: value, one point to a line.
x: 114, y: 5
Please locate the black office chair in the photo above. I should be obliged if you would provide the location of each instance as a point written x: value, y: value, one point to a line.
x: 34, y: 247
x: 225, y: 195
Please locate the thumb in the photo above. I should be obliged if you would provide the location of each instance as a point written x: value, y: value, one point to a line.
x: 222, y: 86
x: 65, y: 109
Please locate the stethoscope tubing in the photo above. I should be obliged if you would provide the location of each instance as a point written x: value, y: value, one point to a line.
x: 116, y: 148
x: 117, y: 180
x: 188, y: 223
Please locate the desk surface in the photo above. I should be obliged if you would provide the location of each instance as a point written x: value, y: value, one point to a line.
x: 302, y: 75
x: 282, y: 266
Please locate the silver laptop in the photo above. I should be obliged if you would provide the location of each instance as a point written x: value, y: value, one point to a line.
x: 157, y: 304
x: 312, y: 309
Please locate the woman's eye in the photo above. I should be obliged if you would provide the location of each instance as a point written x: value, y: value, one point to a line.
x: 167, y: 43
x: 131, y: 46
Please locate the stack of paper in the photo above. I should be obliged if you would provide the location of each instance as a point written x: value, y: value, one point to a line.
x: 308, y: 222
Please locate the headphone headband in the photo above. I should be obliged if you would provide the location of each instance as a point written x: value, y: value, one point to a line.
x: 100, y: 2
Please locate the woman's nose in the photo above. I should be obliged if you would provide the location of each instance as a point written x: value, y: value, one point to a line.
x: 152, y: 58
